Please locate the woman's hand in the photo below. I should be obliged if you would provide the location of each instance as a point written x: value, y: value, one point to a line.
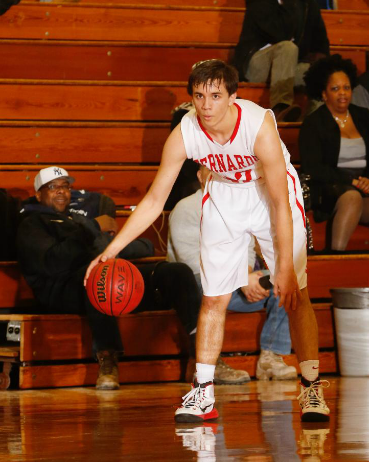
x: 362, y: 183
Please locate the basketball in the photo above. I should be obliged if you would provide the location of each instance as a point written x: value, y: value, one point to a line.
x: 115, y: 287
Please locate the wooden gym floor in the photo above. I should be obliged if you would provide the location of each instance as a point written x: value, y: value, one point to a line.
x: 259, y: 422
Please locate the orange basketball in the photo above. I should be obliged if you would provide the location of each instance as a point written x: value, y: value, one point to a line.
x: 115, y: 287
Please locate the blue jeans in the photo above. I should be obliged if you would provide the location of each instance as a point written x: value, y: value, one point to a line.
x: 275, y: 335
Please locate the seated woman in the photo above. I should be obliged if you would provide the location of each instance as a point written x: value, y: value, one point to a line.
x: 334, y: 149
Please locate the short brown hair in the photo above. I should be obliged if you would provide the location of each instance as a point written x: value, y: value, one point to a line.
x: 210, y: 71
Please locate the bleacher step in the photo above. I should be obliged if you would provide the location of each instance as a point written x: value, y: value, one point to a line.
x: 165, y: 370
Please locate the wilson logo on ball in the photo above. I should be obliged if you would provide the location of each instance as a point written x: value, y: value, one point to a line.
x: 115, y: 287
x: 101, y: 296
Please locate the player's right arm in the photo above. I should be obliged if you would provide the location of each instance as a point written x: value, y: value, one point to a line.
x: 268, y: 149
x: 150, y: 207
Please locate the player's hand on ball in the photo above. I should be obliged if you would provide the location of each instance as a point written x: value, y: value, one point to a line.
x: 100, y: 258
x: 286, y: 287
x: 115, y: 287
x: 92, y: 265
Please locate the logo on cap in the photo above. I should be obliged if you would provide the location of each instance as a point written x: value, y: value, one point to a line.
x: 58, y: 171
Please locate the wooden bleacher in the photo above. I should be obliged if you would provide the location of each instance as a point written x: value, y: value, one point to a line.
x: 160, y: 23
x: 55, y: 350
x: 342, y: 4
x: 61, y: 59
x: 87, y: 86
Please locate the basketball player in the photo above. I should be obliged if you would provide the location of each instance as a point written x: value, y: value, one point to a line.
x: 252, y: 190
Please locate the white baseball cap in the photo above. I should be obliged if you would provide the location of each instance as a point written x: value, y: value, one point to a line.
x: 49, y: 174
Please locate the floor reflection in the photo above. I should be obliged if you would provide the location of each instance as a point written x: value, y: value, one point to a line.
x: 200, y: 439
x: 265, y: 427
x: 353, y: 418
x: 277, y: 419
x: 311, y: 442
x: 259, y: 422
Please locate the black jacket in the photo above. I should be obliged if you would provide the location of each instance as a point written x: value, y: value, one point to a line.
x: 6, y: 4
x: 266, y: 21
x: 364, y: 80
x: 319, y: 146
x: 54, y: 247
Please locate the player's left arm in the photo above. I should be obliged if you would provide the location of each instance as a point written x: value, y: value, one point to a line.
x: 268, y: 149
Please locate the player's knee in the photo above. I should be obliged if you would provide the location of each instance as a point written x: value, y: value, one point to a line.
x: 216, y: 303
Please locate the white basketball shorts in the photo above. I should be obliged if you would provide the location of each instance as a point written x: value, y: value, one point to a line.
x: 230, y: 214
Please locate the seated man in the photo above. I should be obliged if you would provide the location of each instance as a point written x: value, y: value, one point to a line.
x: 280, y: 39
x: 54, y: 249
x: 184, y: 245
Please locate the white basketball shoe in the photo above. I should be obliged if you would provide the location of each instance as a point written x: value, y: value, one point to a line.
x: 198, y: 404
x: 313, y: 408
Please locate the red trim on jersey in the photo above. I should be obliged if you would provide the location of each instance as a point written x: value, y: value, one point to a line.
x: 205, y: 198
x: 301, y: 208
x: 235, y: 131
x: 203, y: 129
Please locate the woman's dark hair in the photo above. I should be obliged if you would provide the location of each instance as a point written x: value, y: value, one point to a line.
x: 213, y: 71
x: 317, y: 76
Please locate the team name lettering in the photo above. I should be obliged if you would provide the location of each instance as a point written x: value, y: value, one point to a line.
x: 212, y: 163
x: 225, y: 163
x: 220, y: 162
x: 101, y: 283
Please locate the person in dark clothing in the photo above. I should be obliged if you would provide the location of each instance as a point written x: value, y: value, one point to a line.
x: 279, y: 39
x: 9, y: 210
x: 57, y: 237
x: 327, y: 4
x: 54, y: 249
x: 334, y: 149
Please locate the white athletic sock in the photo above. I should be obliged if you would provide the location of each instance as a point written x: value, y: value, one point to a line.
x: 204, y: 372
x: 310, y: 369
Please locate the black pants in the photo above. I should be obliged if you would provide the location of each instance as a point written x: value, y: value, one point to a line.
x: 171, y: 285
x: 74, y: 300
x: 167, y: 286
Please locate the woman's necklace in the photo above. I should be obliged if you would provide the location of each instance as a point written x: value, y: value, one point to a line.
x: 342, y: 122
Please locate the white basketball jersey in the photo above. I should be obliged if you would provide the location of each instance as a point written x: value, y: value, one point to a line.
x: 235, y: 161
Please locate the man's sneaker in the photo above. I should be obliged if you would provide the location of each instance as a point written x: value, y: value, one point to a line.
x: 271, y: 366
x: 226, y: 375
x: 198, y: 404
x: 108, y: 378
x: 312, y: 405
